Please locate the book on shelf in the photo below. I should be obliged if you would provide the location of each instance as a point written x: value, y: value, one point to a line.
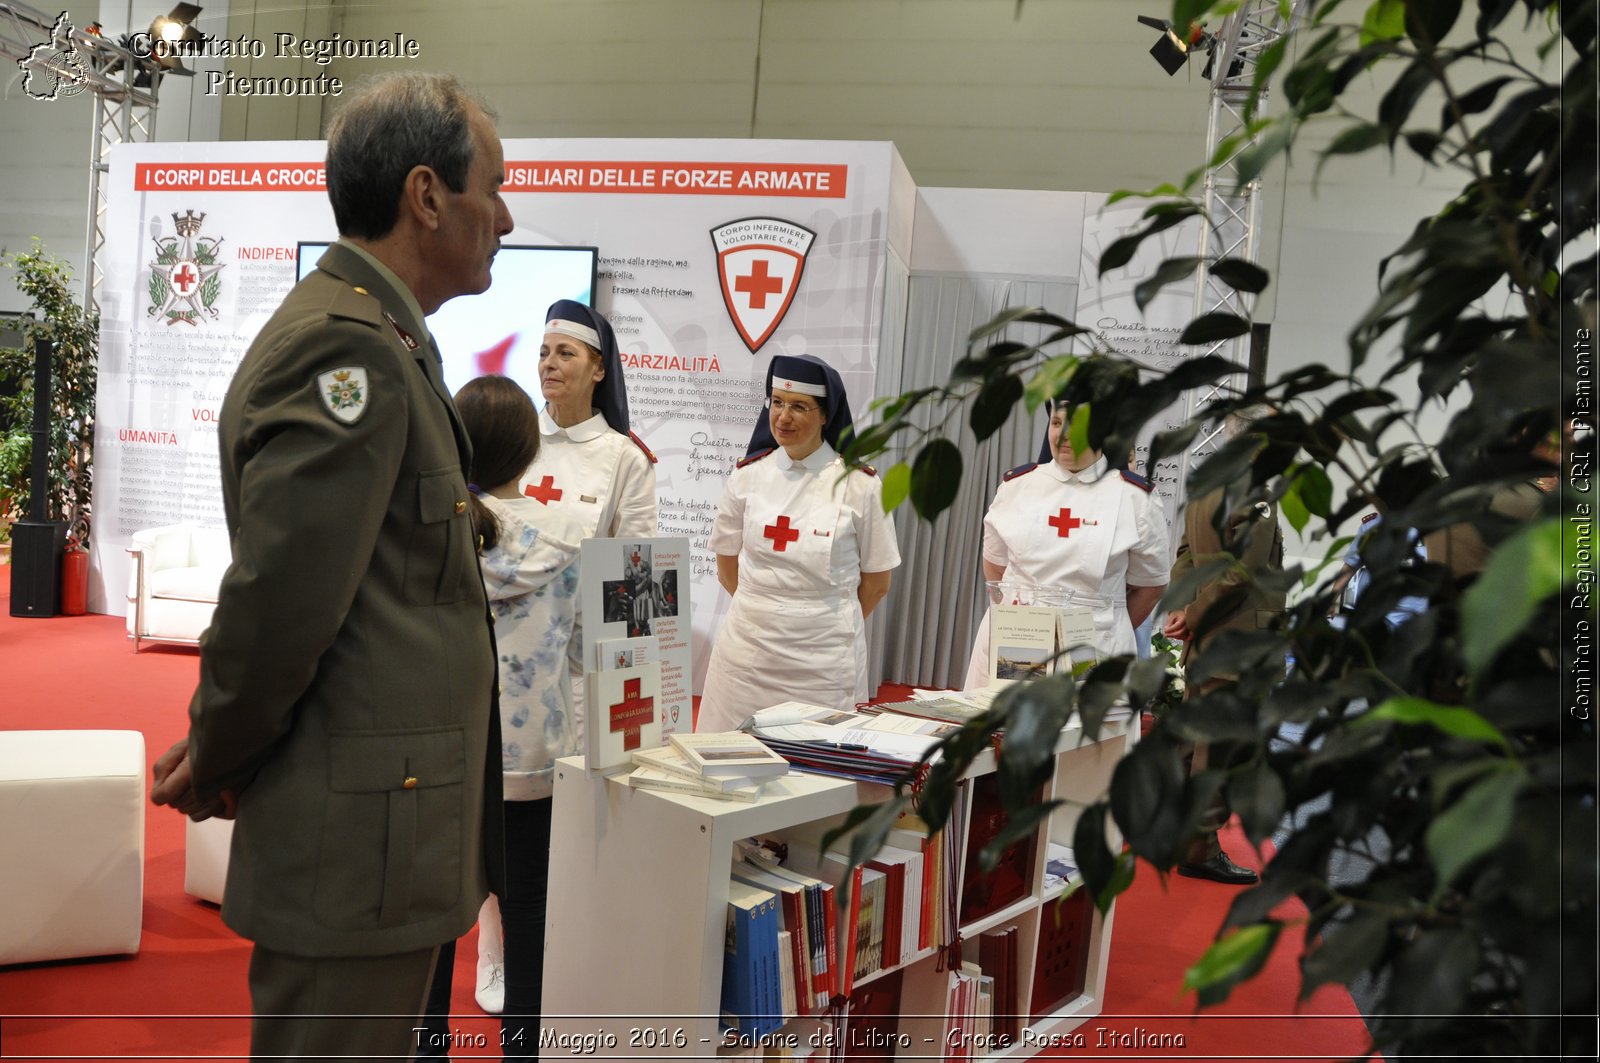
x: 746, y: 790
x: 903, y: 922
x: 786, y: 975
x: 749, y: 963
x: 997, y: 955
x: 821, y: 922
x: 794, y: 912
x: 858, y: 953
x: 667, y: 758
x: 722, y: 753
x: 910, y: 834
x: 624, y: 714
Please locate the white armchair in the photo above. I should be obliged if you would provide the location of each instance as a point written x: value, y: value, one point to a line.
x: 173, y: 582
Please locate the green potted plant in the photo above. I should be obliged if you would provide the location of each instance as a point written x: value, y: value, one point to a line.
x: 58, y: 317
x: 1437, y: 806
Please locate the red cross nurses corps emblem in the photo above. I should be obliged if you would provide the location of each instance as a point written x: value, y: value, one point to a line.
x: 759, y: 263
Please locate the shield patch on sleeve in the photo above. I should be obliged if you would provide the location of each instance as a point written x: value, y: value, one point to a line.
x: 344, y: 392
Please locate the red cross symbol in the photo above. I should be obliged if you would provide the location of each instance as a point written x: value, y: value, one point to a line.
x: 780, y: 533
x: 545, y: 491
x: 1064, y: 522
x: 184, y: 279
x: 631, y: 713
x: 758, y: 285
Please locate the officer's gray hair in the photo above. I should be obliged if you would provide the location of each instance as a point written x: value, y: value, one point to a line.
x: 396, y: 122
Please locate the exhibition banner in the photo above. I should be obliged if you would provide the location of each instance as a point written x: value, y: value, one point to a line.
x: 713, y: 257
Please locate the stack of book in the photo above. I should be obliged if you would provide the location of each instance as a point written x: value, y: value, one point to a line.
x: 726, y: 766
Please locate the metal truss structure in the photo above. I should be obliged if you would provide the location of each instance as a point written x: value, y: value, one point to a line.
x: 124, y: 111
x: 1232, y: 209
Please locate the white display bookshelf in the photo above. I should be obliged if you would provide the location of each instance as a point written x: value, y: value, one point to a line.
x: 639, y: 893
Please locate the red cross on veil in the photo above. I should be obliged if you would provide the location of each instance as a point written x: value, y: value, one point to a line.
x: 631, y: 713
x: 780, y: 533
x: 545, y: 491
x: 1064, y: 522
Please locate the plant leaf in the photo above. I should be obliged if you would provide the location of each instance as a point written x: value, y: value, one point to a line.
x: 1240, y: 274
x: 1169, y: 272
x: 1476, y: 824
x: 1209, y: 328
x: 935, y: 477
x: 1452, y: 720
x: 896, y: 485
x: 992, y: 408
x: 1522, y: 572
x: 1233, y: 957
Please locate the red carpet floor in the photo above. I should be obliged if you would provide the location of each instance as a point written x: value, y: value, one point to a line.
x: 183, y: 996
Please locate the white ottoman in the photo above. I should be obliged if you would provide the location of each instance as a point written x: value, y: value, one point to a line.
x: 205, y: 857
x: 71, y: 843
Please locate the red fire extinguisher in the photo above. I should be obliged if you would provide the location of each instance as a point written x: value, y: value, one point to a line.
x: 74, y: 579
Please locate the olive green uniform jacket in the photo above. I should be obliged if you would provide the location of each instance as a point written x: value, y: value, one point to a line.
x: 347, y: 681
x: 1249, y: 606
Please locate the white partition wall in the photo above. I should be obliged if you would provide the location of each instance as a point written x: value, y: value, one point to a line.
x: 714, y: 256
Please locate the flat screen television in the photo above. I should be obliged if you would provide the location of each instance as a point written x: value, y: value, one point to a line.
x: 498, y: 331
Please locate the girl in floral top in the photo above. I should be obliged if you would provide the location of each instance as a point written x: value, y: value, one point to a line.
x: 530, y: 569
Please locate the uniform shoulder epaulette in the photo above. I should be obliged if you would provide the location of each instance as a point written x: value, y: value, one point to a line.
x: 356, y: 304
x: 1020, y: 470
x: 1369, y: 518
x: 1136, y: 480
x: 751, y: 458
x: 640, y: 444
x: 868, y: 469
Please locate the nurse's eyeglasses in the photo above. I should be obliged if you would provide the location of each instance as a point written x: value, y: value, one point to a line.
x: 799, y: 409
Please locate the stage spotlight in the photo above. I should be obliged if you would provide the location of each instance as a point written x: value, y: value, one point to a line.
x: 177, y: 25
x: 175, y: 29
x: 1171, y: 50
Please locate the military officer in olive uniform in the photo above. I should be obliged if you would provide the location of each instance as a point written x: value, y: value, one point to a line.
x: 1252, y: 534
x: 346, y: 706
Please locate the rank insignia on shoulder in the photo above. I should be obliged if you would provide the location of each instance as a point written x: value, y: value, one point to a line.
x: 640, y: 444
x: 1136, y: 480
x: 1369, y: 518
x: 751, y: 458
x: 868, y: 469
x: 344, y: 392
x: 1020, y: 470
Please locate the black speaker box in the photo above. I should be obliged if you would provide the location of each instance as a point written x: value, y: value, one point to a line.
x: 36, y: 549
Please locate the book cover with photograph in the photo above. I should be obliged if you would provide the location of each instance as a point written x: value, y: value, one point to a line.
x: 627, y: 653
x: 1022, y: 641
x: 637, y: 587
x: 729, y: 753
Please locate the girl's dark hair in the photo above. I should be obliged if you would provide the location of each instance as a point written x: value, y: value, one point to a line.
x: 503, y: 427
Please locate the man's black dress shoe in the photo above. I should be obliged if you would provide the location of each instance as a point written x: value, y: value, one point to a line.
x: 1219, y: 868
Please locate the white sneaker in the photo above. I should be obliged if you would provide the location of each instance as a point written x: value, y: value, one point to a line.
x: 491, y: 991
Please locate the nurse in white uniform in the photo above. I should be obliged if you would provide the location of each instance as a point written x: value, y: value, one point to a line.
x: 805, y: 549
x: 590, y: 468
x: 1072, y: 523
